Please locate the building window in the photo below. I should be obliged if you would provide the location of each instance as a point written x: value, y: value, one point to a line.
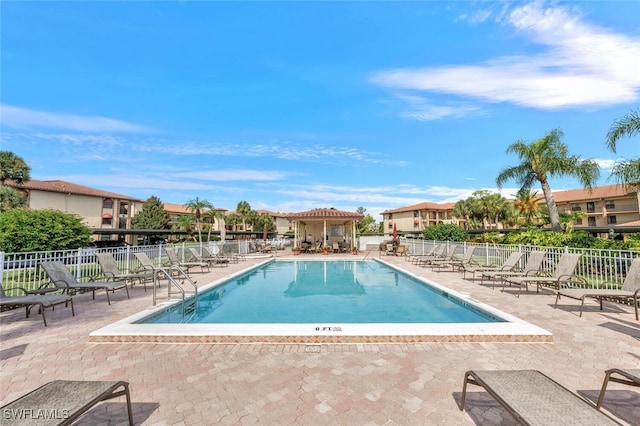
x: 610, y: 205
x: 578, y: 221
x: 107, y: 203
x: 416, y: 213
x: 591, y: 207
x: 591, y: 221
x: 576, y: 208
x: 612, y: 220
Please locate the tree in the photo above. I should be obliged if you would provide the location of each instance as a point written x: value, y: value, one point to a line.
x: 243, y: 210
x: 210, y: 217
x: 545, y: 158
x: 463, y: 209
x: 367, y: 224
x: 627, y: 172
x: 627, y: 126
x: 527, y: 203
x: 11, y: 199
x: 41, y: 230
x: 196, y: 206
x: 185, y: 222
x: 13, y: 167
x: 152, y: 216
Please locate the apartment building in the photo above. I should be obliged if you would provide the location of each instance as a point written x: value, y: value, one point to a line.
x: 99, y: 209
x: 604, y: 206
x: 609, y: 207
x: 414, y: 219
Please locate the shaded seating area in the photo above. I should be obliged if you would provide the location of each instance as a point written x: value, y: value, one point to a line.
x: 563, y: 274
x: 630, y: 290
x: 533, y: 398
x: 508, y: 265
x: 65, y: 400
x: 625, y: 376
x: 30, y: 301
x: 111, y: 271
x: 64, y: 280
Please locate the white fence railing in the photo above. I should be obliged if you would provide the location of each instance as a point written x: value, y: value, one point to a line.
x: 601, y: 268
x: 22, y: 269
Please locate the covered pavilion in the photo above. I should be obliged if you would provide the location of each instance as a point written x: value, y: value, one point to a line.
x: 325, y: 226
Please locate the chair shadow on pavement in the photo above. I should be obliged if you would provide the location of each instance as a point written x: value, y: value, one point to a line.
x: 115, y: 413
x: 483, y: 409
x: 621, y: 404
x: 7, y: 353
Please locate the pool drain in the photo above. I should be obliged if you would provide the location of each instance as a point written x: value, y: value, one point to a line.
x: 312, y: 348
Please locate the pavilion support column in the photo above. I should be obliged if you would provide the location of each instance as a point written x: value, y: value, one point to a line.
x: 324, y: 243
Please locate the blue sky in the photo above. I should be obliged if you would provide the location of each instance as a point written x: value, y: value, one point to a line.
x: 298, y: 105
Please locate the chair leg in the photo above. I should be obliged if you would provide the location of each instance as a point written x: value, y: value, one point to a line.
x: 603, y: 389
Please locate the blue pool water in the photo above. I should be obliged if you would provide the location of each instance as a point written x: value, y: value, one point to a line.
x: 299, y: 292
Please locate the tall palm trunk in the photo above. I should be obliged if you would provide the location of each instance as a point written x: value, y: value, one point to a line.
x: 554, y: 216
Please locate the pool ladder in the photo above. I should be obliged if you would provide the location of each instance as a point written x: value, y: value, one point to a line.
x: 177, y: 278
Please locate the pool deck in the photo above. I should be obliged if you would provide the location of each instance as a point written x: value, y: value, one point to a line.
x: 349, y: 384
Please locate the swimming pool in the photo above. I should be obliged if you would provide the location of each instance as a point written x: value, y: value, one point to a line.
x: 492, y: 325
x: 335, y: 291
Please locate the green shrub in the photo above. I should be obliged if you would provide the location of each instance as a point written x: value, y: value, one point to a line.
x: 445, y: 232
x: 41, y: 230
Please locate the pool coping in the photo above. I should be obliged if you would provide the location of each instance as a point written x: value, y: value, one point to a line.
x: 513, y: 330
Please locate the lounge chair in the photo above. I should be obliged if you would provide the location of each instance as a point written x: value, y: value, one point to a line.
x: 509, y: 265
x: 455, y: 262
x: 534, y: 399
x: 630, y: 377
x: 64, y: 400
x: 232, y: 258
x: 416, y: 257
x: 62, y: 278
x: 211, y: 260
x: 531, y: 268
x: 401, y: 250
x: 630, y: 290
x: 30, y: 301
x: 435, y: 254
x: 110, y: 271
x: 564, y: 274
x: 174, y: 261
x: 439, y: 255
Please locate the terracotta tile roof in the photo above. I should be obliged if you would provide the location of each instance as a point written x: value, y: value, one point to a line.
x: 597, y: 192
x: 422, y: 206
x: 320, y: 214
x: 273, y: 214
x: 67, y: 187
x: 180, y: 208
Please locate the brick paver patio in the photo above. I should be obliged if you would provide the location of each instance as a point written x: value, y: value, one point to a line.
x: 390, y: 384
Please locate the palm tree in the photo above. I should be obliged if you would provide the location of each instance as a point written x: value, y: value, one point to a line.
x: 11, y: 199
x: 185, y: 222
x: 526, y: 203
x: 13, y: 167
x: 243, y: 210
x: 627, y: 126
x: 196, y: 206
x: 545, y: 158
x: 210, y: 217
x: 627, y: 172
x: 463, y: 209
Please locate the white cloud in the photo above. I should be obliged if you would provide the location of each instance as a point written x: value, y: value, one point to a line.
x: 17, y: 117
x: 580, y: 65
x: 234, y: 175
